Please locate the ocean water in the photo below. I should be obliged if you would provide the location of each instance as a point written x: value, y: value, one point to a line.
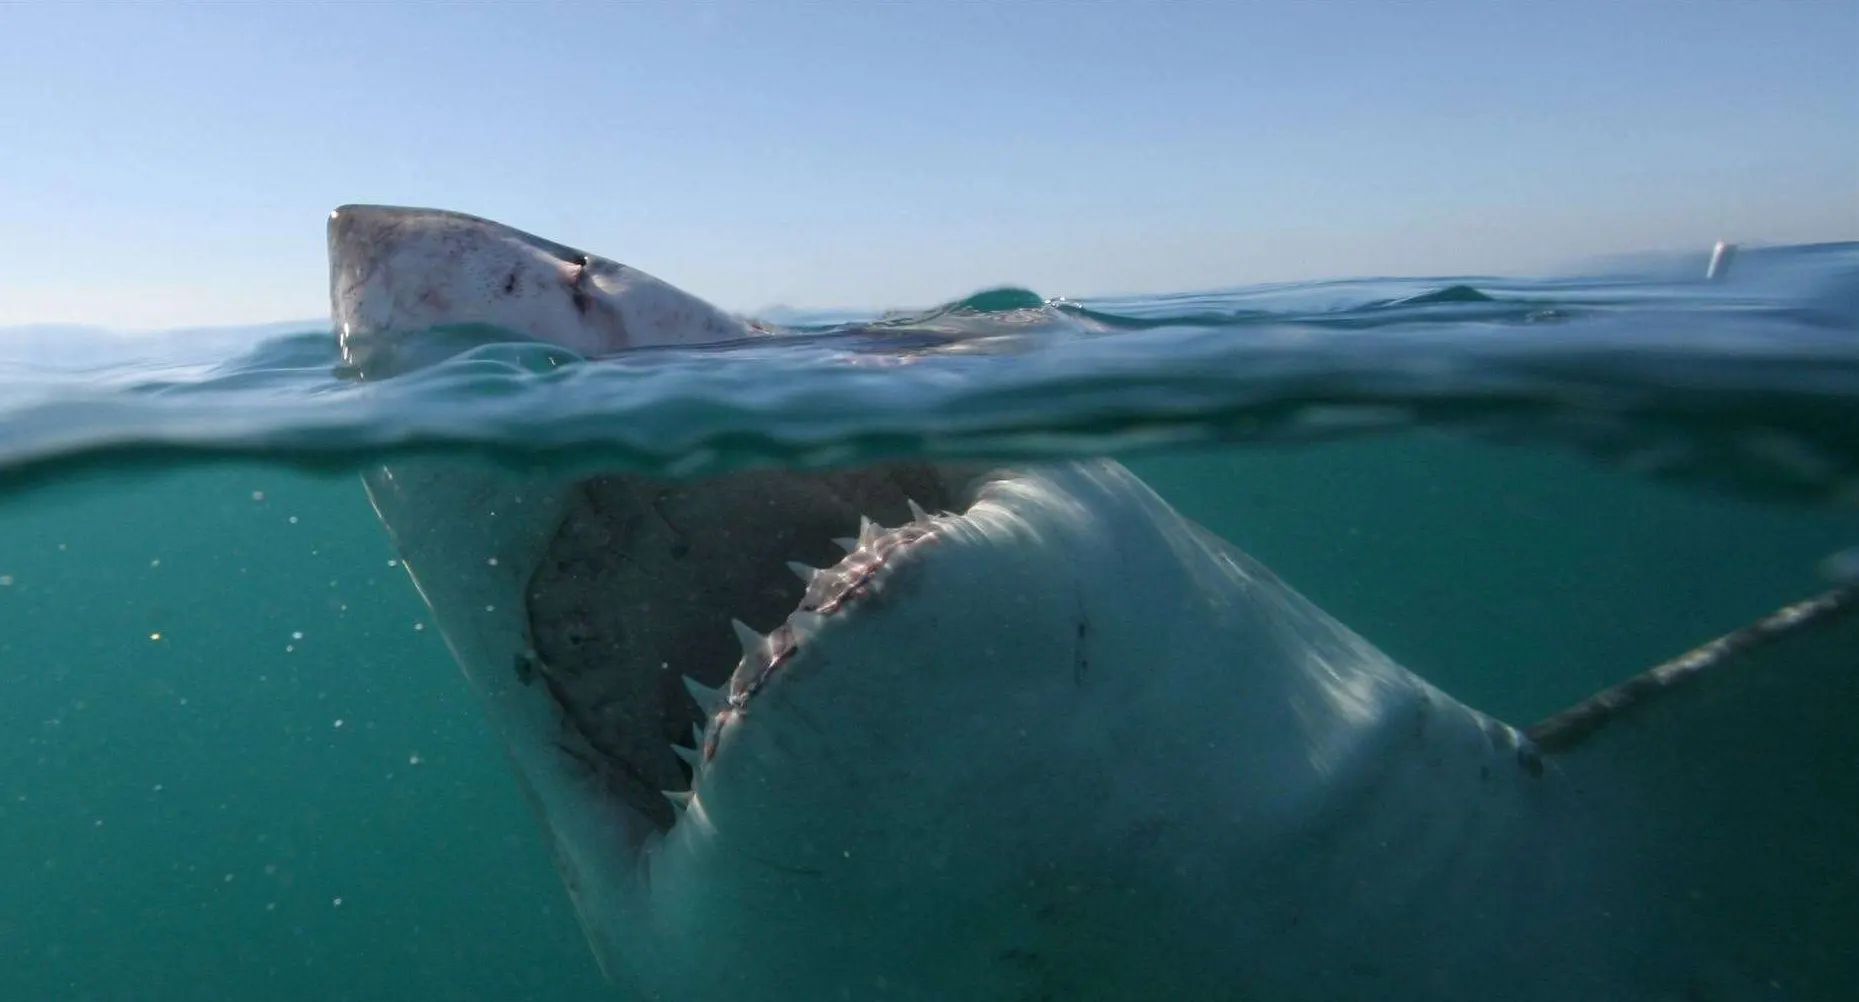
x: 236, y: 762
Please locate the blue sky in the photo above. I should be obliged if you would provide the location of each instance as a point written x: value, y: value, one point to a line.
x: 169, y: 165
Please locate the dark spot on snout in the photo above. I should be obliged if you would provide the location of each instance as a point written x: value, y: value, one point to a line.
x: 577, y: 287
x: 509, y: 284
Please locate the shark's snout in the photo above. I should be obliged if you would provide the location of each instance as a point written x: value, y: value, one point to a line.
x: 396, y: 272
x: 358, y: 227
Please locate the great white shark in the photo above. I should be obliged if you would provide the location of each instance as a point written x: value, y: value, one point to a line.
x: 1026, y: 734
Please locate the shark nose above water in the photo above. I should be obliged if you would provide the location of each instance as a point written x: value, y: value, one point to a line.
x: 396, y: 271
x: 357, y: 227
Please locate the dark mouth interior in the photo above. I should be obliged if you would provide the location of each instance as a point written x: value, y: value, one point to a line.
x: 639, y: 585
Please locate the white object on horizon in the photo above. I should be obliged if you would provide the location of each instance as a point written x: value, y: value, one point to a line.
x: 1721, y: 256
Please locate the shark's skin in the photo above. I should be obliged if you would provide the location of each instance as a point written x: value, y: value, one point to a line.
x: 1052, y: 741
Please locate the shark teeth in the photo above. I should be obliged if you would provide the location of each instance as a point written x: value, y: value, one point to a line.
x: 694, y: 755
x: 752, y: 642
x: 710, y: 701
x: 680, y: 799
x: 828, y: 591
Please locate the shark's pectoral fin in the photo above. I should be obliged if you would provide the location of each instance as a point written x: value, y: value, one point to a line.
x: 1733, y: 772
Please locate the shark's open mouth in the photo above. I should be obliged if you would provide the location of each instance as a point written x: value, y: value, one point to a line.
x: 632, y: 605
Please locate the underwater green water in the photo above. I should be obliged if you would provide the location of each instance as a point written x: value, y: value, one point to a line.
x: 201, y: 804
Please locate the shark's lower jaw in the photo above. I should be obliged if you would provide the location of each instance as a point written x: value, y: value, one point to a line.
x: 872, y: 558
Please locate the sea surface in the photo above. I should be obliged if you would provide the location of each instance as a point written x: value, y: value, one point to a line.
x: 236, y: 762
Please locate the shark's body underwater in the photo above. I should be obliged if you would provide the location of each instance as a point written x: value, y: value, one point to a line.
x: 1042, y: 738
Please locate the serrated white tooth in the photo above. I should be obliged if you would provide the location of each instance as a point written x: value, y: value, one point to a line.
x: 691, y: 756
x: 917, y: 514
x: 752, y: 642
x: 847, y: 543
x: 680, y: 799
x: 867, y: 530
x: 804, y: 623
x: 805, y: 573
x: 708, y: 700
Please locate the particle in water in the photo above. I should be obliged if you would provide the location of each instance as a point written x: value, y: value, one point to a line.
x: 6, y: 580
x: 296, y: 634
x: 413, y: 759
x: 258, y: 495
x: 154, y: 636
x: 293, y: 520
